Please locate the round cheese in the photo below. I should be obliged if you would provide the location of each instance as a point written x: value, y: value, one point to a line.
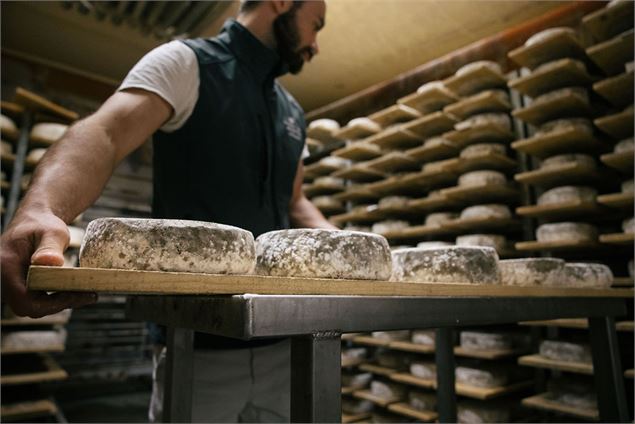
x: 34, y: 339
x: 435, y: 142
x: 386, y: 390
x: 330, y: 182
x: 357, y: 380
x: 433, y: 86
x: 476, y: 412
x: 548, y: 34
x: 482, y: 149
x: 439, y: 218
x: 480, y: 340
x: 501, y: 120
x: 624, y: 146
x: 167, y: 245
x: 559, y: 160
x: 587, y: 275
x: 481, y: 64
x: 317, y: 253
x: 335, y: 162
x: 489, y: 211
x: 394, y: 202
x: 628, y: 186
x: 437, y: 166
x: 425, y: 370
x: 532, y: 271
x: 7, y: 123
x: 422, y: 401
x: 327, y: 125
x: 473, y: 265
x: 356, y: 406
x: 567, y: 194
x: 495, y: 241
x: 76, y: 235
x: 481, y: 377
x: 482, y: 178
x: 389, y: 225
x: 49, y: 131
x: 628, y: 225
x: 326, y: 202
x: 394, y: 360
x: 566, y: 232
x: 36, y: 155
x: 558, y: 125
x: 565, y: 351
x: 366, y: 124
x: 391, y: 335
x: 424, y: 337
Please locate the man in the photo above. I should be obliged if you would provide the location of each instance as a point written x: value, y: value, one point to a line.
x: 228, y: 142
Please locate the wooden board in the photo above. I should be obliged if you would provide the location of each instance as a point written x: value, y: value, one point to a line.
x: 622, y: 161
x: 27, y: 410
x: 330, y: 209
x: 488, y: 353
x: 483, y: 102
x: 358, y: 151
x: 424, y: 153
x: 36, y: 141
x: 609, y: 21
x: 578, y: 323
x: 543, y: 402
x: 622, y: 282
x: 428, y: 204
x: 350, y: 336
x: 366, y: 394
x: 564, y: 74
x: 359, y: 173
x: 561, y: 175
x: 475, y: 81
x: 625, y: 326
x: 318, y: 169
x: 413, y: 183
x: 352, y: 362
x: 618, y: 89
x: 11, y: 108
x: 52, y: 372
x: 571, y: 139
x: 10, y: 134
x: 569, y: 105
x: 322, y: 135
x: 611, y: 55
x: 489, y: 160
x: 485, y: 393
x: 5, y: 185
x: 35, y: 102
x: 618, y: 238
x: 417, y: 231
x: 354, y: 132
x: 395, y: 138
x: 394, y: 114
x: 617, y: 200
x: 405, y: 409
x: 563, y: 210
x: 311, y: 190
x: 431, y: 100
x: 530, y: 246
x: 370, y: 341
x: 392, y: 162
x: 483, y: 224
x: 426, y: 383
x: 377, y: 369
x: 347, y: 390
x: 8, y: 160
x: 487, y: 133
x: 156, y: 282
x: 556, y: 47
x: 538, y: 361
x: 618, y: 125
x: 430, y: 125
x: 371, y: 215
x: 26, y: 321
x: 353, y: 418
x: 482, y: 194
x: 411, y: 347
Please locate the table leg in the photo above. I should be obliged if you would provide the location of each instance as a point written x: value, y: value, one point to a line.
x: 316, y: 378
x: 446, y: 394
x: 607, y: 369
x: 177, y: 392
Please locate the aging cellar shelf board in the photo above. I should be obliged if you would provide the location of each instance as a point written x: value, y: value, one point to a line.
x: 353, y: 418
x: 561, y: 210
x: 617, y: 200
x: 51, y: 371
x: 35, y: 102
x: 377, y: 369
x: 560, y: 45
x: 622, y: 161
x: 486, y: 101
x: 544, y: 402
x: 538, y: 361
x: 562, y: 174
x: 618, y: 89
x: 539, y: 113
x: 618, y: 125
x: 565, y: 74
x: 557, y: 142
x: 610, y: 55
x: 383, y: 402
x: 405, y: 409
x: 578, y: 323
x: 488, y: 353
x: 618, y: 238
x: 28, y: 410
x: 571, y: 246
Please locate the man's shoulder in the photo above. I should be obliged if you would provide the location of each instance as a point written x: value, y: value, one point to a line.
x: 210, y: 50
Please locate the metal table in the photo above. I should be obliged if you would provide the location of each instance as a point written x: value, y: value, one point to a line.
x: 315, y: 324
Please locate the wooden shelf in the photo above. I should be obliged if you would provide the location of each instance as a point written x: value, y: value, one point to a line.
x: 347, y: 390
x: 488, y: 353
x: 321, y: 135
x: 495, y: 161
x: 622, y: 161
x: 416, y: 232
x: 440, y: 151
x: 572, y: 246
x: 544, y: 402
x: 359, y: 173
x: 617, y: 200
x: 11, y: 108
x: 426, y: 383
x: 486, y: 101
x: 372, y: 215
x: 430, y: 125
x: 27, y: 410
x: 350, y: 336
x: 311, y: 190
x: 561, y: 210
x: 370, y: 341
x: 431, y: 100
x: 10, y: 134
x: 36, y: 141
x: 611, y: 55
x: 352, y: 362
x: 405, y: 409
x: 559, y: 142
x: 618, y: 125
x: 319, y: 169
x: 412, y: 183
x: 429, y: 204
x: 377, y: 369
x: 622, y: 282
x: 26, y: 321
x: 331, y: 209
x: 538, y: 361
x: 394, y: 114
x: 5, y: 185
x: 562, y: 174
x: 8, y: 160
x: 577, y: 323
x: 43, y: 349
x: 482, y: 224
x: 609, y: 21
x: 366, y: 394
x: 618, y: 90
x: 490, y: 133
x: 474, y: 81
x: 358, y: 151
x: 484, y: 193
x: 354, y: 132
x: 356, y: 194
x: 411, y: 347
x: 560, y: 107
x: 395, y: 138
x: 38, y: 103
x: 354, y: 418
x: 392, y: 162
x: 626, y: 239
x: 555, y: 47
x: 564, y: 74
x: 485, y: 393
x: 51, y: 372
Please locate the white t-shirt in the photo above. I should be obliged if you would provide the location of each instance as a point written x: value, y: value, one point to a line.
x: 171, y: 72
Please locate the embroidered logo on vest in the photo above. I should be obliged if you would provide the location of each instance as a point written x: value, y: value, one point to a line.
x: 293, y: 129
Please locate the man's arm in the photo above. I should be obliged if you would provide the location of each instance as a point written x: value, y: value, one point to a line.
x: 302, y: 212
x: 68, y: 180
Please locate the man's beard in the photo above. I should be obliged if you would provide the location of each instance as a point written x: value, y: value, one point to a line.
x: 288, y: 41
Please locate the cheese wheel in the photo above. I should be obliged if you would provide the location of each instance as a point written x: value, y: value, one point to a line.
x: 482, y: 149
x: 51, y: 131
x: 389, y: 225
x: 327, y: 125
x: 480, y: 64
x: 335, y: 162
x: 365, y: 124
x: 489, y: 211
x: 586, y: 275
x: 501, y: 120
x: 562, y: 93
x: 575, y: 391
x: 559, y: 160
x: 317, y: 253
x: 424, y: 369
x: 330, y: 182
x: 326, y: 202
x: 436, y: 142
x: 532, y: 271
x: 439, y: 218
x: 34, y: 339
x: 394, y: 360
x: 565, y: 351
x: 422, y: 401
x: 424, y: 337
x: 433, y: 86
x: 391, y: 335
x: 354, y: 353
x: 432, y: 244
x: 567, y: 194
x: 481, y: 377
x: 496, y: 241
x: 394, y: 202
x: 473, y: 265
x: 558, y: 125
x: 480, y: 340
x: 167, y: 245
x: 386, y: 390
x: 624, y: 146
x: 548, y: 34
x: 628, y: 225
x: 36, y: 155
x: 566, y: 232
x: 477, y: 412
x: 482, y: 178
x: 356, y: 406
x: 357, y: 380
x: 6, y: 149
x: 628, y: 186
x: 76, y: 235
x: 7, y: 123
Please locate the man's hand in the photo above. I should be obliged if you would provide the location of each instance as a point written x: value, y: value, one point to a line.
x: 37, y: 238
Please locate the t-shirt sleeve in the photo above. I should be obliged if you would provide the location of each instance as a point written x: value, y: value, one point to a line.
x: 171, y: 72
